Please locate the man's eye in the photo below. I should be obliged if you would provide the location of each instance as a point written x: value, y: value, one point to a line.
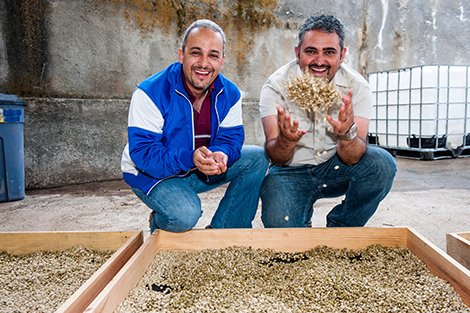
x: 195, y: 53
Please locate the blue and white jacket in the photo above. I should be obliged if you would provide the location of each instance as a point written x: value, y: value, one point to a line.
x: 161, y: 129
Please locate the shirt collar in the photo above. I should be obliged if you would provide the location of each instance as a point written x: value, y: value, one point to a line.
x: 339, y: 79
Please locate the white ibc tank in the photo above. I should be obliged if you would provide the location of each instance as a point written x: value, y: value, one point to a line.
x: 421, y: 102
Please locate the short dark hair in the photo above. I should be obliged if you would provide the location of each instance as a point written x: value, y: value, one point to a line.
x: 324, y: 23
x: 203, y: 24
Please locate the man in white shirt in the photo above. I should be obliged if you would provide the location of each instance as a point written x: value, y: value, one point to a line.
x: 321, y: 154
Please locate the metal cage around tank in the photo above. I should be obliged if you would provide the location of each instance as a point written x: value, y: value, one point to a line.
x: 421, y: 111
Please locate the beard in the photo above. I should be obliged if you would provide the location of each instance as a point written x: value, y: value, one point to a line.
x: 200, y: 81
x: 319, y: 71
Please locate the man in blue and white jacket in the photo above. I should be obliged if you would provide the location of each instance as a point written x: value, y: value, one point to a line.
x: 185, y: 136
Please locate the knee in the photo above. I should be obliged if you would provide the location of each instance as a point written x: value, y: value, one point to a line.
x: 273, y: 213
x: 384, y: 163
x: 268, y: 188
x: 266, y: 203
x: 269, y: 221
x: 389, y: 165
x: 276, y: 216
x: 258, y: 157
x: 270, y: 215
x: 179, y: 222
x: 182, y: 223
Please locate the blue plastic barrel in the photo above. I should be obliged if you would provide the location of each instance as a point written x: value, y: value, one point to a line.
x: 11, y: 148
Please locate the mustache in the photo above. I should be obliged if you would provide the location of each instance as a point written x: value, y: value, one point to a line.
x: 203, y: 68
x: 324, y: 66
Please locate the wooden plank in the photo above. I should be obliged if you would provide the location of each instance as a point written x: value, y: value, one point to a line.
x: 441, y: 264
x: 96, y: 283
x: 282, y: 239
x: 458, y: 247
x: 29, y: 242
x: 127, y: 278
x: 285, y: 239
x: 465, y: 235
x: 126, y: 243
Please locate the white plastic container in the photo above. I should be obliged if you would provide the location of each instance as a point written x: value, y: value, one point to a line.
x: 421, y: 109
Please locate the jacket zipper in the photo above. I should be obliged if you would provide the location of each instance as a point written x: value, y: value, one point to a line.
x: 192, y: 118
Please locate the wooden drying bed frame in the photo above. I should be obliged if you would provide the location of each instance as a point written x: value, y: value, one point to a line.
x: 125, y: 243
x: 282, y: 239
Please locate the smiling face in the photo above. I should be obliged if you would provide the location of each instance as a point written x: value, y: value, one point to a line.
x: 320, y: 54
x: 202, y: 59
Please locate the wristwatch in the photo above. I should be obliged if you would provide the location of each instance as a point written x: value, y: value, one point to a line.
x: 350, y: 134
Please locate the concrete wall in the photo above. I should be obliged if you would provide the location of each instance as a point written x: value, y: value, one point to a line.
x: 71, y: 141
x: 77, y: 62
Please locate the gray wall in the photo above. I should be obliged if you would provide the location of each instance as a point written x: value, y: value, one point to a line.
x: 70, y: 141
x: 77, y: 62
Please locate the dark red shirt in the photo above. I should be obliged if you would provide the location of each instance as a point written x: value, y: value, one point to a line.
x: 202, y: 119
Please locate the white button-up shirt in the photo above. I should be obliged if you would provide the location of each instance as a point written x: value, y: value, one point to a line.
x: 319, y: 143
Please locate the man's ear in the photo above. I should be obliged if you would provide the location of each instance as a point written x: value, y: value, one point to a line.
x: 222, y: 63
x: 296, y: 51
x: 180, y: 55
x: 343, y: 53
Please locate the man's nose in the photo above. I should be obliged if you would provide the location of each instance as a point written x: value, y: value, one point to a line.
x: 319, y: 59
x: 204, y: 60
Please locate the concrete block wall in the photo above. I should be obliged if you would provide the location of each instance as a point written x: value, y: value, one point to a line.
x: 72, y: 141
x: 76, y: 63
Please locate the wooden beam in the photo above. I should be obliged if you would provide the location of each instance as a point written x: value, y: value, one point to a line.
x: 30, y: 242
x: 125, y: 243
x: 458, y: 247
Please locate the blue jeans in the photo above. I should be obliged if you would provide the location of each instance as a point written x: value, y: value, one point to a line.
x: 177, y: 206
x: 288, y: 193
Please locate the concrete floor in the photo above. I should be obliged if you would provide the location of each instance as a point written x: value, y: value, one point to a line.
x: 433, y: 197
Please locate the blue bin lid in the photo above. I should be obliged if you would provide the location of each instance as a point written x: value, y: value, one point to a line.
x: 11, y: 100
x: 11, y: 109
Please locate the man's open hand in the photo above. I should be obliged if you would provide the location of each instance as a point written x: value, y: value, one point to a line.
x: 288, y: 131
x: 208, y: 162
